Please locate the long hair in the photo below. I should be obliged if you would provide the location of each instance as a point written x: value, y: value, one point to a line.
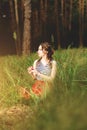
x: 47, y: 47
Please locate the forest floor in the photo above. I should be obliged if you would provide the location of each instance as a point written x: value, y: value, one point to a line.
x: 9, y: 117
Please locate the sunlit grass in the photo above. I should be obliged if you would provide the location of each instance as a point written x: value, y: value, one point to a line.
x: 65, y: 107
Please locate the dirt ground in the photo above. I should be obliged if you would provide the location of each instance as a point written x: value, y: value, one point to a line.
x: 9, y: 117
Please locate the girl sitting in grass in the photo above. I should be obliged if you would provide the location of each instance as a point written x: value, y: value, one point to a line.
x: 43, y: 70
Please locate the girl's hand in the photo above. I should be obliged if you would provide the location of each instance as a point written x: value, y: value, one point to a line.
x: 30, y: 69
x: 35, y: 72
x: 32, y: 72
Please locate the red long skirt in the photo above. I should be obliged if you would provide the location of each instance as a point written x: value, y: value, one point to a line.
x: 37, y: 89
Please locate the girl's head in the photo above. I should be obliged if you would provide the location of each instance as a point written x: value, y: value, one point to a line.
x: 45, y: 49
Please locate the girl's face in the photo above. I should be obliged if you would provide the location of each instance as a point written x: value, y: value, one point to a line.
x: 41, y: 52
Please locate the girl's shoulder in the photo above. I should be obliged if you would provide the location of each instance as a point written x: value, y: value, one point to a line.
x: 53, y: 62
x: 36, y: 61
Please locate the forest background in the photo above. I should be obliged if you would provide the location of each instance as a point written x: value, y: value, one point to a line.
x: 24, y: 24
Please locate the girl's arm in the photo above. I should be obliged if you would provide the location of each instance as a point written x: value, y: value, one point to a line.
x: 31, y: 70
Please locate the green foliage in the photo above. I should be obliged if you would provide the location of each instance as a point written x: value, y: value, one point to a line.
x: 14, y: 35
x: 65, y: 106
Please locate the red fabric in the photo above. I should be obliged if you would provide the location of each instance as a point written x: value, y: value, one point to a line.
x: 38, y: 87
x: 24, y: 93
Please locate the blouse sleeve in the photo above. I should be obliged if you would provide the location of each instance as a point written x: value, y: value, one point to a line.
x: 35, y: 63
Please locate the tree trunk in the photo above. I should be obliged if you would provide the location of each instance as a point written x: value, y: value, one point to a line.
x: 62, y: 11
x: 0, y: 8
x: 12, y: 12
x: 17, y: 28
x: 13, y: 22
x: 27, y: 28
x: 57, y: 23
x: 35, y: 29
x: 65, y: 13
x: 86, y: 10
x: 45, y: 18
x: 70, y: 16
x: 81, y: 21
x: 85, y: 27
x: 41, y: 16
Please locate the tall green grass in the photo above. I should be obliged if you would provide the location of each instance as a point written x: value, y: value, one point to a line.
x: 65, y: 107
